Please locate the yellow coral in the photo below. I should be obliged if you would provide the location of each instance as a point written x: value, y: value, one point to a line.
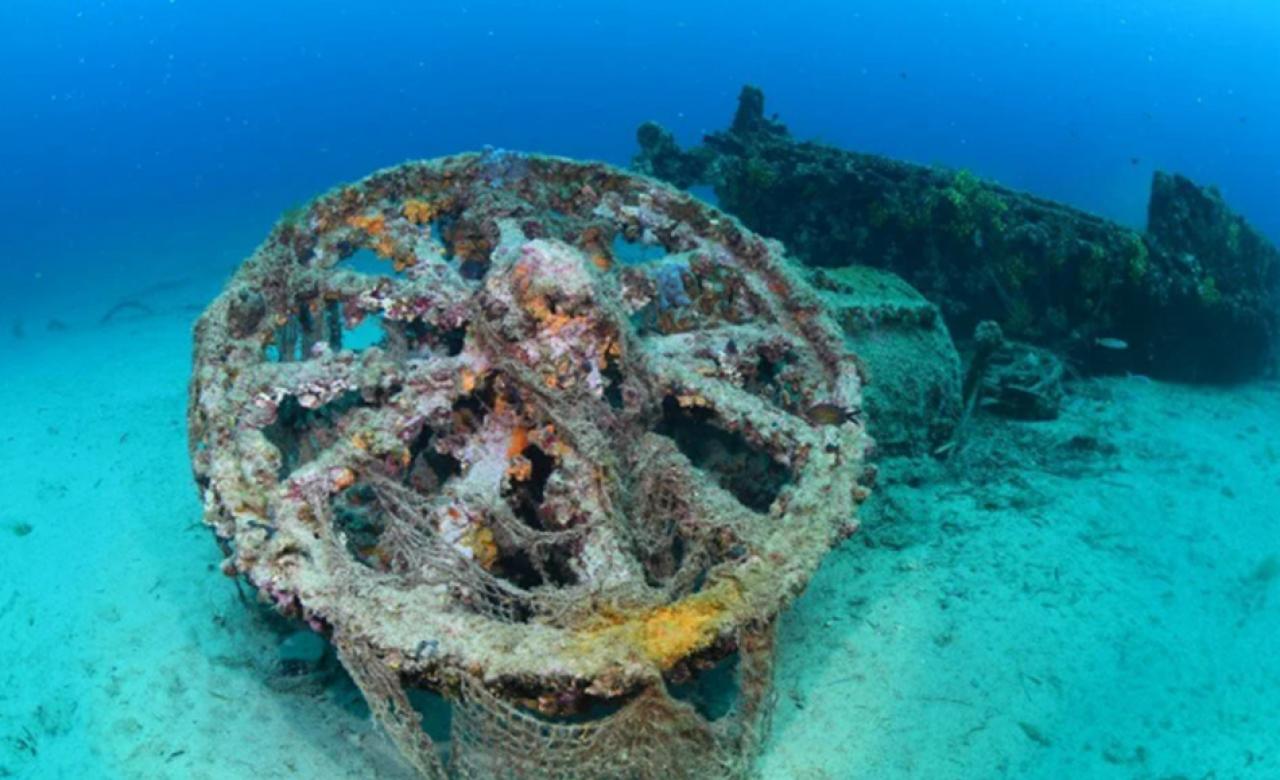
x: 692, y: 400
x: 479, y: 540
x: 419, y: 212
x: 668, y: 634
x: 671, y: 633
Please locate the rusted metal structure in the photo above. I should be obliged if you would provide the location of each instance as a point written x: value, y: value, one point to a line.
x: 544, y: 437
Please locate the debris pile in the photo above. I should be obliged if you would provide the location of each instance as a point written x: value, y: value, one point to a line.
x: 1012, y: 379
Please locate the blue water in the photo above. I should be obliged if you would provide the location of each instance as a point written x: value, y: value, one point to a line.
x: 149, y: 145
x: 159, y: 119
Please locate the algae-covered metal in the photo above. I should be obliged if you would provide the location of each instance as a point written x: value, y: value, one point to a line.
x: 1195, y: 297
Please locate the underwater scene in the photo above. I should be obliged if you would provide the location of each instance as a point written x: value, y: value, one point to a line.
x: 565, y: 390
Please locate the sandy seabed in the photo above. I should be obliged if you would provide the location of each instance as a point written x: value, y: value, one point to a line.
x: 1091, y: 597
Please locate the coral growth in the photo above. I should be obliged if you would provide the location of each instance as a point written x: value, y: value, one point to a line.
x: 556, y: 478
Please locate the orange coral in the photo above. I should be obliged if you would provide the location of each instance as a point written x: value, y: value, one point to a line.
x: 343, y: 479
x: 549, y: 320
x: 373, y: 224
x: 469, y: 248
x: 385, y: 247
x: 521, y: 469
x: 519, y: 440
x: 467, y: 378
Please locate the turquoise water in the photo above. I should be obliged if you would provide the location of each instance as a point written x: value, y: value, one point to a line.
x: 1027, y: 610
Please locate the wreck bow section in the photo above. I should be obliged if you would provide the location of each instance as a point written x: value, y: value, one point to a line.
x: 542, y: 436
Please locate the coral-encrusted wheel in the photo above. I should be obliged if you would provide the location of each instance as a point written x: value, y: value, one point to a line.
x: 533, y: 433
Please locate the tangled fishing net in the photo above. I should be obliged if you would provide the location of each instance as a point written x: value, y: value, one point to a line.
x: 543, y: 437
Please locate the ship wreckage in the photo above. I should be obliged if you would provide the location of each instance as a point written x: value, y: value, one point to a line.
x: 1194, y: 297
x: 553, y: 441
x: 601, y: 436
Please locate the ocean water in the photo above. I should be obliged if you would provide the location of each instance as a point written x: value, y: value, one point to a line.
x: 1027, y: 611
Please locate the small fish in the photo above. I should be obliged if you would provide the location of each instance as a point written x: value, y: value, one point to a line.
x: 1034, y: 734
x: 1107, y: 342
x: 827, y: 413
